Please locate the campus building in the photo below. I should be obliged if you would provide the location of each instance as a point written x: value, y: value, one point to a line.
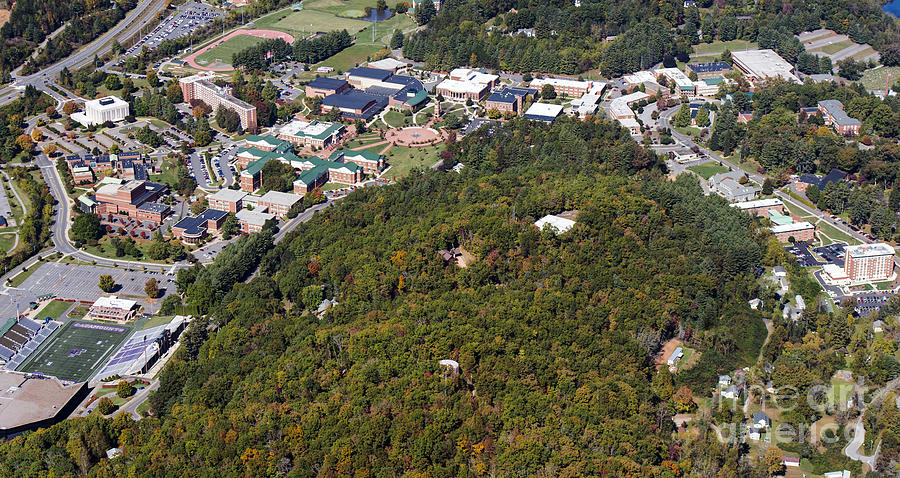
x: 314, y: 134
x: 112, y: 308
x: 391, y: 64
x: 267, y: 143
x: 800, y: 231
x: 620, y: 110
x: 99, y: 111
x: 127, y: 165
x: 371, y: 163
x: 252, y: 221
x: 354, y: 104
x: 278, y: 203
x: 760, y: 207
x: 728, y: 185
x: 133, y: 198
x: 201, y: 87
x: 509, y: 100
x: 760, y: 65
x: 563, y: 86
x: 466, y: 84
x: 323, y: 86
x: 834, y: 116
x: 869, y: 262
x: 316, y: 172
x: 543, y: 112
x: 363, y: 77
x: 192, y: 230
x: 31, y: 401
x: 683, y: 85
x: 227, y: 200
x: 714, y: 69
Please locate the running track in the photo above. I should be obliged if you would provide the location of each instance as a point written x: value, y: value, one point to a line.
x: 269, y: 34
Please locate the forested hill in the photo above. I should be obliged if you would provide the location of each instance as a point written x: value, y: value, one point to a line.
x: 553, y: 334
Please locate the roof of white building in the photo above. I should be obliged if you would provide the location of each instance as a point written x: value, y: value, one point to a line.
x: 639, y: 77
x: 560, y: 223
x: 107, y: 102
x: 387, y: 64
x: 114, y: 303
x: 253, y: 217
x: 797, y: 226
x: 563, y: 82
x: 869, y: 250
x: 278, y: 197
x: 765, y: 64
x: 458, y: 86
x: 230, y: 195
x: 758, y: 203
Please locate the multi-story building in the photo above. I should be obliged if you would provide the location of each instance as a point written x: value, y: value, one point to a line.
x: 252, y: 221
x: 354, y: 104
x: 869, y: 262
x: 563, y: 86
x: 323, y: 86
x: 133, y: 198
x: 760, y: 207
x: 200, y: 87
x: 371, y: 163
x: 101, y: 110
x: 466, y: 84
x: 800, y: 231
x: 227, y: 200
x: 314, y: 134
x: 834, y: 116
x: 267, y: 143
x: 509, y: 99
x: 364, y: 77
x: 127, y: 165
x: 317, y: 172
x: 193, y: 229
x: 683, y: 85
x: 278, y: 203
x: 760, y: 65
x: 251, y: 176
x: 112, y: 308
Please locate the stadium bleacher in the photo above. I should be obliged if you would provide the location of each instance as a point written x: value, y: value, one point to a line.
x: 142, y: 349
x: 20, y: 338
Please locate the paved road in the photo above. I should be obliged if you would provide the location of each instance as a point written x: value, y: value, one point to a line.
x: 852, y: 448
x: 99, y: 47
x: 140, y: 397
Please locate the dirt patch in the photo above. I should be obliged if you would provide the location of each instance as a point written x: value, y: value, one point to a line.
x: 4, y: 16
x: 667, y: 350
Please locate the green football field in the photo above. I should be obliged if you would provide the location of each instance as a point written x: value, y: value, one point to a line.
x: 77, y: 350
x: 223, y: 52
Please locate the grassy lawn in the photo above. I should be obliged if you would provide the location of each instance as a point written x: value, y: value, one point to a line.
x: 105, y: 249
x: 402, y: 159
x: 833, y: 48
x: 7, y: 241
x: 167, y: 176
x: 143, y: 407
x: 396, y: 119
x: 54, y: 309
x: 350, y: 57
x: 862, y: 54
x: 224, y: 51
x: 720, y: 46
x: 874, y: 79
x: 835, y: 234
x: 139, y: 83
x: 883, y: 285
x: 707, y: 170
x: 20, y: 277
x: 310, y: 20
x: 79, y: 312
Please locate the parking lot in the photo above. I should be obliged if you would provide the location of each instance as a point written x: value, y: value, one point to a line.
x: 184, y: 21
x: 71, y: 281
x: 833, y: 254
x: 800, y: 250
x: 869, y: 302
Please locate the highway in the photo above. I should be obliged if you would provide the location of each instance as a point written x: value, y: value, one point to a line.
x: 99, y: 47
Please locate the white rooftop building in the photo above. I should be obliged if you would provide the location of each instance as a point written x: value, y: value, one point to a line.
x: 543, y: 111
x: 561, y: 224
x: 99, y: 111
x: 392, y: 64
x: 639, y: 77
x: 763, y: 64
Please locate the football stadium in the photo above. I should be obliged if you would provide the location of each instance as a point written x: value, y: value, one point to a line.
x: 76, y: 351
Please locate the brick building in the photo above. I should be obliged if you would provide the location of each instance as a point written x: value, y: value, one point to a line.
x: 193, y: 229
x: 201, y: 87
x: 227, y: 200
x: 252, y: 221
x: 133, y: 198
x: 800, y: 231
x: 278, y: 203
x: 869, y: 262
x: 326, y: 86
x: 311, y: 134
x: 834, y: 116
x: 563, y: 86
x: 509, y: 100
x: 760, y: 207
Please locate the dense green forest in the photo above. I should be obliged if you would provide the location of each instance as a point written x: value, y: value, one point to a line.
x: 568, y: 39
x: 554, y: 334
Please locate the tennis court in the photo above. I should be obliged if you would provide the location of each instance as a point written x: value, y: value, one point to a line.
x: 77, y: 350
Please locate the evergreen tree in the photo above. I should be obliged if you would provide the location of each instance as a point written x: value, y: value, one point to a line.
x: 683, y: 117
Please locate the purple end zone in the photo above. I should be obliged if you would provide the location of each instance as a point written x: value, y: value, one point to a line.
x: 106, y: 328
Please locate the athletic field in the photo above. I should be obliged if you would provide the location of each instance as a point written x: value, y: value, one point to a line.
x: 77, y: 351
x: 223, y: 52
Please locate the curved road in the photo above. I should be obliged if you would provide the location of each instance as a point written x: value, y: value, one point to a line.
x: 132, y: 23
